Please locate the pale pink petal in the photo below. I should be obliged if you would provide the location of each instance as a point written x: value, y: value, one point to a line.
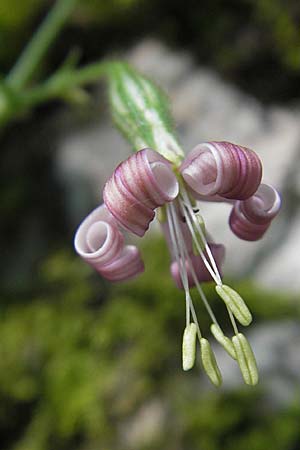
x: 250, y: 219
x: 129, y: 212
x: 98, y: 240
x: 222, y: 169
x: 126, y: 266
x: 137, y: 187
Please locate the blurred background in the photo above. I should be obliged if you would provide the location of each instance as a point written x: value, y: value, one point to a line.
x: 88, y: 365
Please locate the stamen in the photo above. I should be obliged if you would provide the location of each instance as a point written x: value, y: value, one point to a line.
x: 213, y: 274
x: 181, y: 265
x: 223, y: 340
x: 235, y: 304
x: 188, y: 209
x: 245, y: 359
x: 233, y: 322
x: 188, y: 213
x: 176, y: 237
x: 189, y: 346
x: 209, y: 363
x: 200, y: 290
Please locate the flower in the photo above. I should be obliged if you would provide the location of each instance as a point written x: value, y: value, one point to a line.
x: 147, y: 182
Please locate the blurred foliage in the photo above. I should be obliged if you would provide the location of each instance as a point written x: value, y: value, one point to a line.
x: 249, y: 41
x: 15, y: 18
x: 82, y: 363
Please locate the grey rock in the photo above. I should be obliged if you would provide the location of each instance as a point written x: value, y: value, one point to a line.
x: 145, y: 427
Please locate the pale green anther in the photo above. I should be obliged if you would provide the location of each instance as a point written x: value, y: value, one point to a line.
x: 200, y: 241
x: 189, y: 346
x: 245, y: 359
x: 235, y: 303
x: 209, y: 363
x: 141, y: 112
x: 223, y: 340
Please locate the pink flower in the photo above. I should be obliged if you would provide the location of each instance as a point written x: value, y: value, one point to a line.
x: 213, y: 171
x: 147, y: 182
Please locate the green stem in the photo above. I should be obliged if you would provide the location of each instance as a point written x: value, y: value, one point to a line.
x: 63, y: 81
x: 33, y: 53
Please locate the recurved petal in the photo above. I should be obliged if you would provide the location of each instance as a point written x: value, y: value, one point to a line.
x: 137, y: 187
x: 250, y: 219
x: 160, y: 182
x: 98, y: 240
x: 263, y: 206
x: 128, y: 265
x: 222, y: 169
x: 129, y: 212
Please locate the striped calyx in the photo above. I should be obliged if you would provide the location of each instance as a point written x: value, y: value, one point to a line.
x: 141, y: 112
x: 137, y: 187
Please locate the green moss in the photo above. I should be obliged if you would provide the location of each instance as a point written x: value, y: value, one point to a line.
x: 81, y: 358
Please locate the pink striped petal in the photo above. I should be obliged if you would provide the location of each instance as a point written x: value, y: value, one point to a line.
x: 133, y: 215
x: 126, y: 266
x: 250, y: 219
x: 98, y: 240
x: 218, y: 252
x: 139, y: 185
x: 223, y: 169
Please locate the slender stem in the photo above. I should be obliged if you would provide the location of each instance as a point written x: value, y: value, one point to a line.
x: 62, y: 82
x: 33, y: 53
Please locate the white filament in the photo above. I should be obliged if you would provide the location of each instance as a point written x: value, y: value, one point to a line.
x: 187, y: 207
x: 181, y: 265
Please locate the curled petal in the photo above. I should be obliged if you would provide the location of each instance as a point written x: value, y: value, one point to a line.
x: 126, y: 266
x: 139, y: 185
x: 133, y: 215
x: 222, y: 169
x: 251, y: 218
x: 218, y: 252
x: 263, y: 206
x: 98, y: 240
